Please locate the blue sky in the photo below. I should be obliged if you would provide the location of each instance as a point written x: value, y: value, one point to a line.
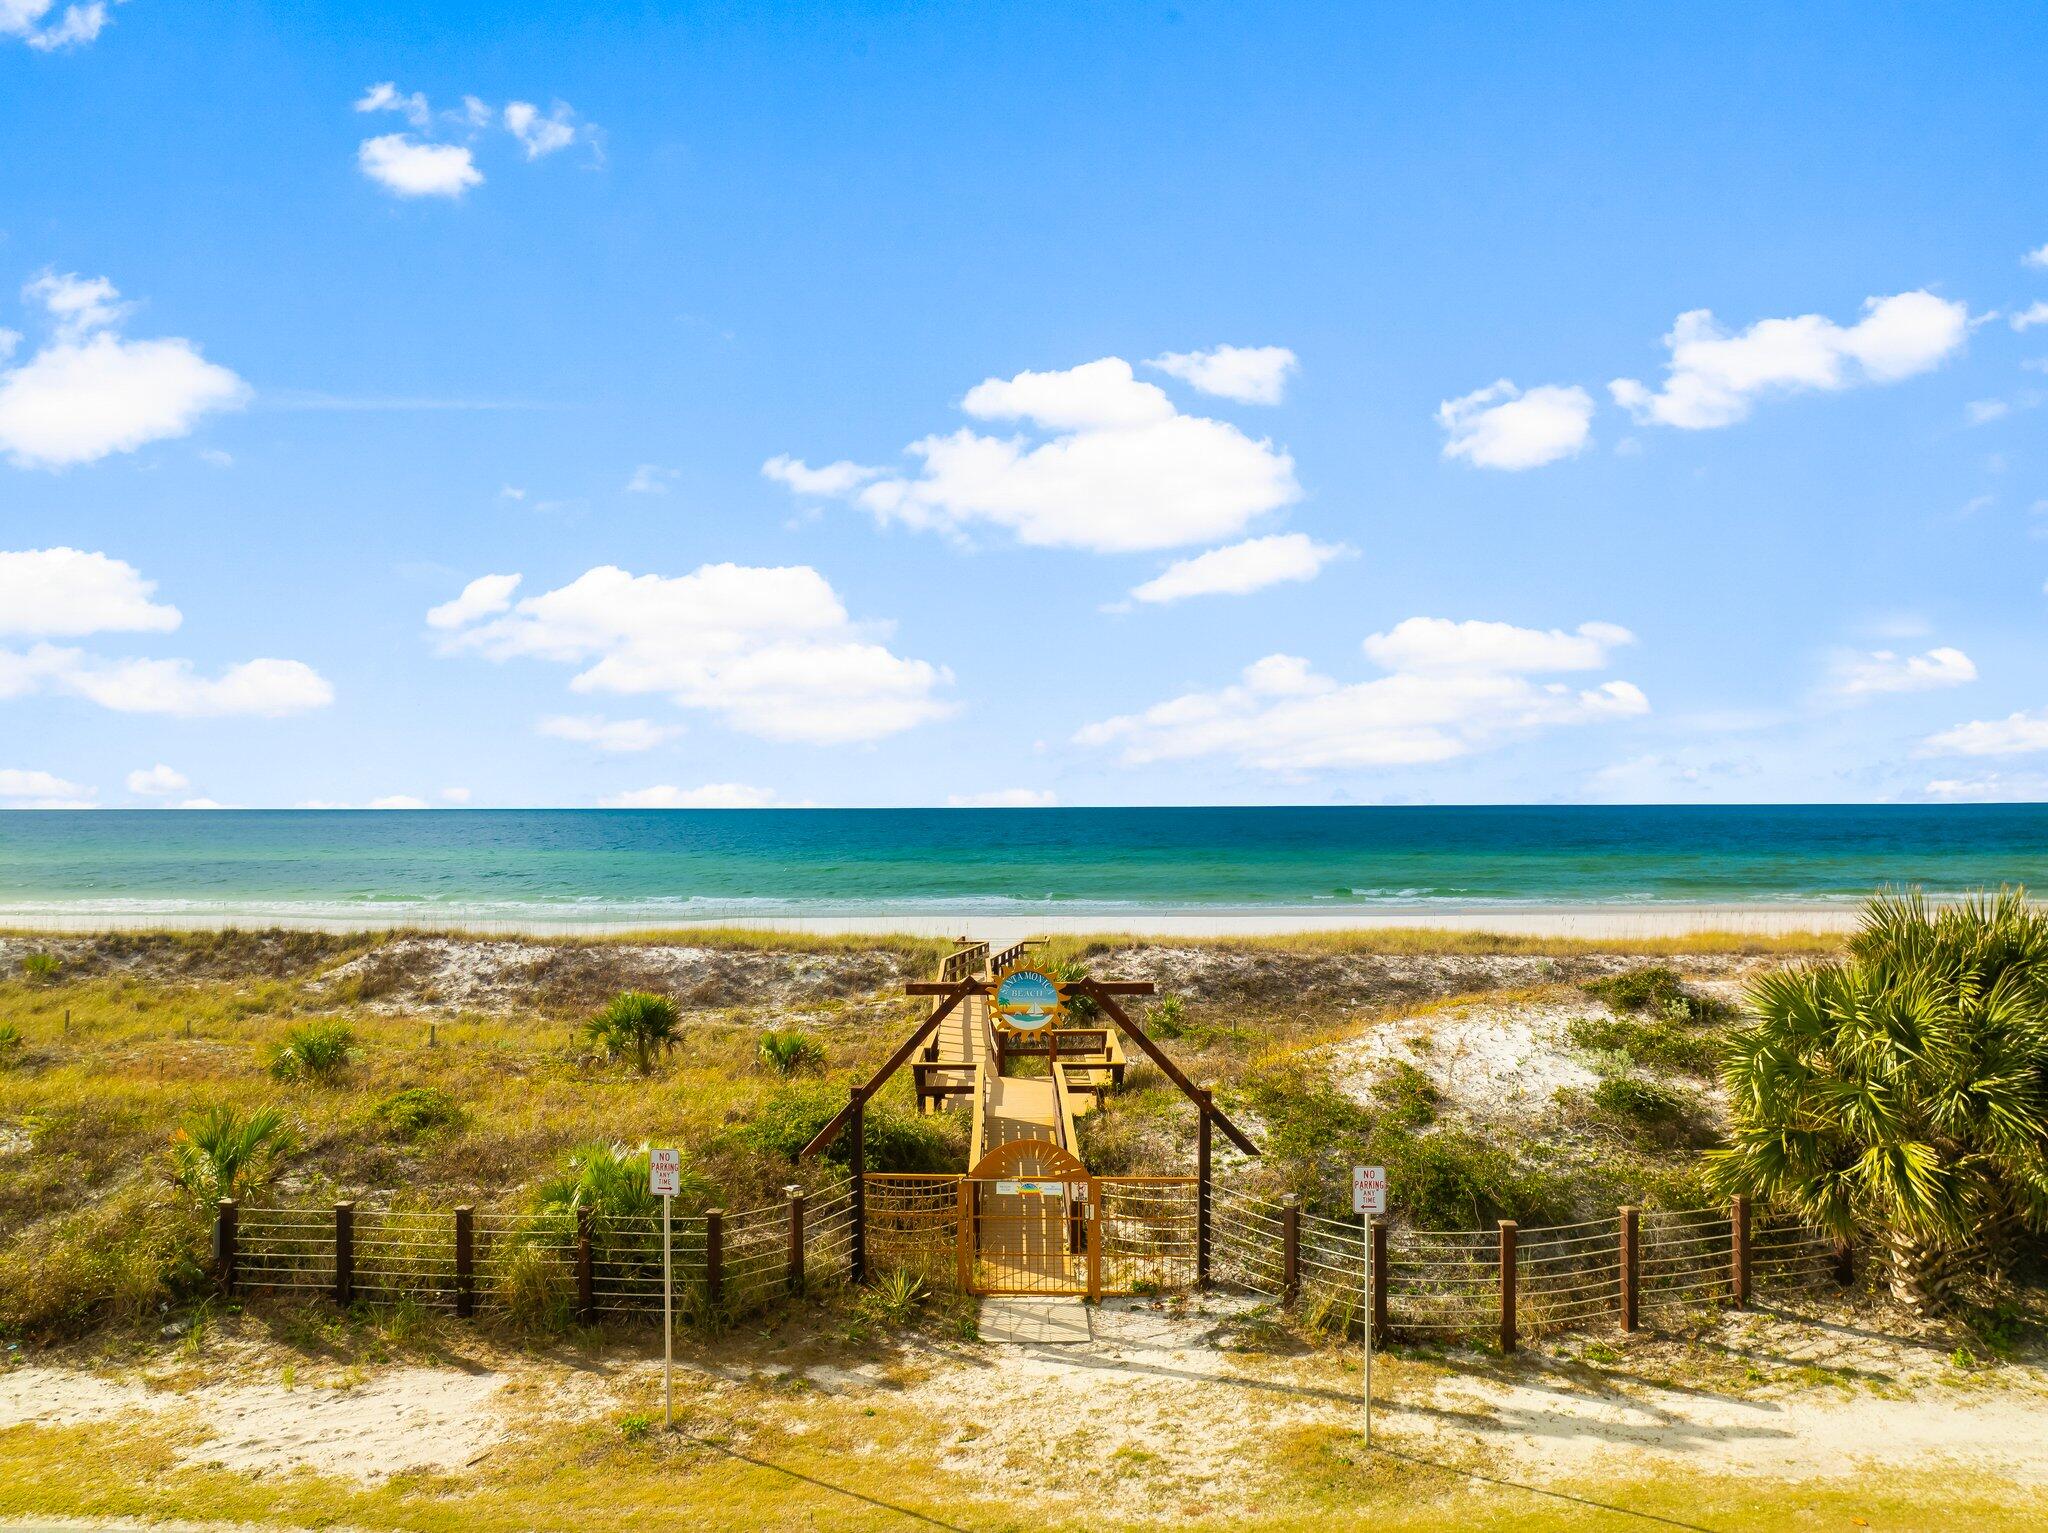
x: 895, y: 405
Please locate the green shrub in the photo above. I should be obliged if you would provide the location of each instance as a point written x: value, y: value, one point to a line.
x: 41, y: 968
x: 1643, y: 1101
x: 639, y: 1021
x: 418, y: 1110
x: 611, y: 1181
x: 317, y: 1051
x: 1656, y: 990
x: 788, y: 1052
x: 127, y: 1257
x: 1081, y: 1009
x: 10, y: 1040
x: 1648, y: 1043
x: 1407, y: 1097
x: 1167, y: 1017
x: 788, y: 1120
x: 536, y: 1289
x: 893, y: 1298
x: 226, y: 1153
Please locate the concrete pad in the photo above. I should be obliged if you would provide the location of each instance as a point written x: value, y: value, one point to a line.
x: 1036, y: 1322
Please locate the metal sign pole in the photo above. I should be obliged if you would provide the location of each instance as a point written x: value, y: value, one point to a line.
x: 1365, y: 1237
x: 668, y: 1319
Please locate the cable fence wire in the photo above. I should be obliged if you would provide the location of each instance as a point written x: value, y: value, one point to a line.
x: 1569, y: 1277
x: 1147, y: 1233
x: 1247, y: 1241
x: 914, y: 1226
x: 405, y: 1254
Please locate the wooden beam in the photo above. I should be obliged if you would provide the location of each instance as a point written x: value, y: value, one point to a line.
x: 1096, y: 990
x: 955, y: 994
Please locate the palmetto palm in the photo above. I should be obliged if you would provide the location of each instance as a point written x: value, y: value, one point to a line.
x: 1905, y: 1091
x: 223, y: 1153
x: 646, y: 1022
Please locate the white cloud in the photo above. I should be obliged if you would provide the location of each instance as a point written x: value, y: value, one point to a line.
x: 1884, y: 671
x: 1253, y: 375
x: 771, y: 651
x: 833, y: 479
x: 1004, y: 798
x: 1120, y: 470
x: 482, y: 597
x: 1502, y: 427
x: 540, y: 135
x: 1714, y: 378
x: 396, y: 801
x: 66, y: 592
x: 387, y: 98
x: 267, y: 688
x: 1982, y: 411
x: 2036, y: 258
x: 717, y: 795
x: 2013, y: 735
x: 650, y: 479
x: 88, y: 392
x: 159, y: 781
x: 409, y: 167
x: 41, y: 790
x: 1992, y: 787
x: 1429, y: 644
x: 1283, y: 717
x: 614, y: 735
x: 1241, y: 568
x: 77, y: 24
x: 2035, y: 313
x: 200, y: 803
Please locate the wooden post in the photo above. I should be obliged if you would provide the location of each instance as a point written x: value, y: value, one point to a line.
x: 714, y: 1256
x: 465, y: 1261
x: 1631, y: 1266
x: 226, y: 1236
x: 1508, y: 1233
x: 1738, y: 1237
x: 963, y: 1236
x: 1091, y: 1233
x: 1381, y: 1282
x: 795, y: 1194
x: 1202, y: 1189
x: 1845, y: 1263
x: 344, y: 1254
x: 586, y: 1286
x: 1290, y: 1248
x: 860, y: 1187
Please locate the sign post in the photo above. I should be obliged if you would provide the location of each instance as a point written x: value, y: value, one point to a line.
x: 1368, y: 1197
x: 665, y: 1180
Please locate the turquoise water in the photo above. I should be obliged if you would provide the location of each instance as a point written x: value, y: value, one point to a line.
x: 571, y: 866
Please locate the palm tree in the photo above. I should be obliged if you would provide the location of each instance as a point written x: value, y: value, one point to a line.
x: 647, y: 1022
x: 1905, y: 1091
x: 222, y: 1153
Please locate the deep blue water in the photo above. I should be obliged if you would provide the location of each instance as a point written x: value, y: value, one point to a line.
x: 648, y: 865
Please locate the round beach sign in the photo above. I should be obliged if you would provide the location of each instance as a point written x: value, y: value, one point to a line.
x: 1028, y: 1000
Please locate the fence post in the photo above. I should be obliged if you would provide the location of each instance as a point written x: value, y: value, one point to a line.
x: 860, y: 1188
x: 1631, y: 1266
x: 795, y: 1194
x: 1508, y: 1233
x: 465, y: 1261
x: 1290, y: 1248
x: 963, y: 1237
x: 714, y: 1256
x: 226, y: 1230
x: 1202, y: 1191
x: 586, y: 1286
x: 1845, y: 1263
x: 1381, y: 1281
x: 344, y: 1254
x: 1738, y: 1237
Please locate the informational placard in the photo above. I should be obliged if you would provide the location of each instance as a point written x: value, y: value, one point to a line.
x: 665, y: 1173
x: 1368, y: 1189
x: 1029, y: 1001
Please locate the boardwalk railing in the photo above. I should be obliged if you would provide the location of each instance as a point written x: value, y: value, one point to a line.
x: 1509, y: 1282
x: 555, y: 1264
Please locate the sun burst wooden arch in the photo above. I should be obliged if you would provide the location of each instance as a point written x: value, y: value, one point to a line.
x: 1037, y: 1158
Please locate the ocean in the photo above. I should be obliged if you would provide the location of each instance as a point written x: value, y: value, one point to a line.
x: 558, y: 868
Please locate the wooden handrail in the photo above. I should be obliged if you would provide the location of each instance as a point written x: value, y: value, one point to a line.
x: 974, y: 1150
x: 1063, y: 1112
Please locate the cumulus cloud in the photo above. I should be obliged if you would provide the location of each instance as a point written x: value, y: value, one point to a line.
x: 2037, y: 258
x: 1004, y: 798
x: 30, y: 20
x: 396, y: 801
x: 540, y: 135
x: 834, y: 479
x: 1714, y: 378
x: 770, y: 651
x: 88, y: 391
x: 1452, y: 689
x: 716, y: 795
x: 1253, y: 375
x: 614, y: 735
x: 482, y: 597
x: 67, y: 592
x: 387, y: 98
x: 1117, y: 468
x: 650, y: 479
x: 2033, y: 314
x: 1500, y: 426
x: 411, y: 167
x: 1992, y: 787
x: 159, y: 781
x: 266, y: 688
x: 1241, y: 568
x: 2014, y: 735
x: 1883, y: 671
x: 21, y: 789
